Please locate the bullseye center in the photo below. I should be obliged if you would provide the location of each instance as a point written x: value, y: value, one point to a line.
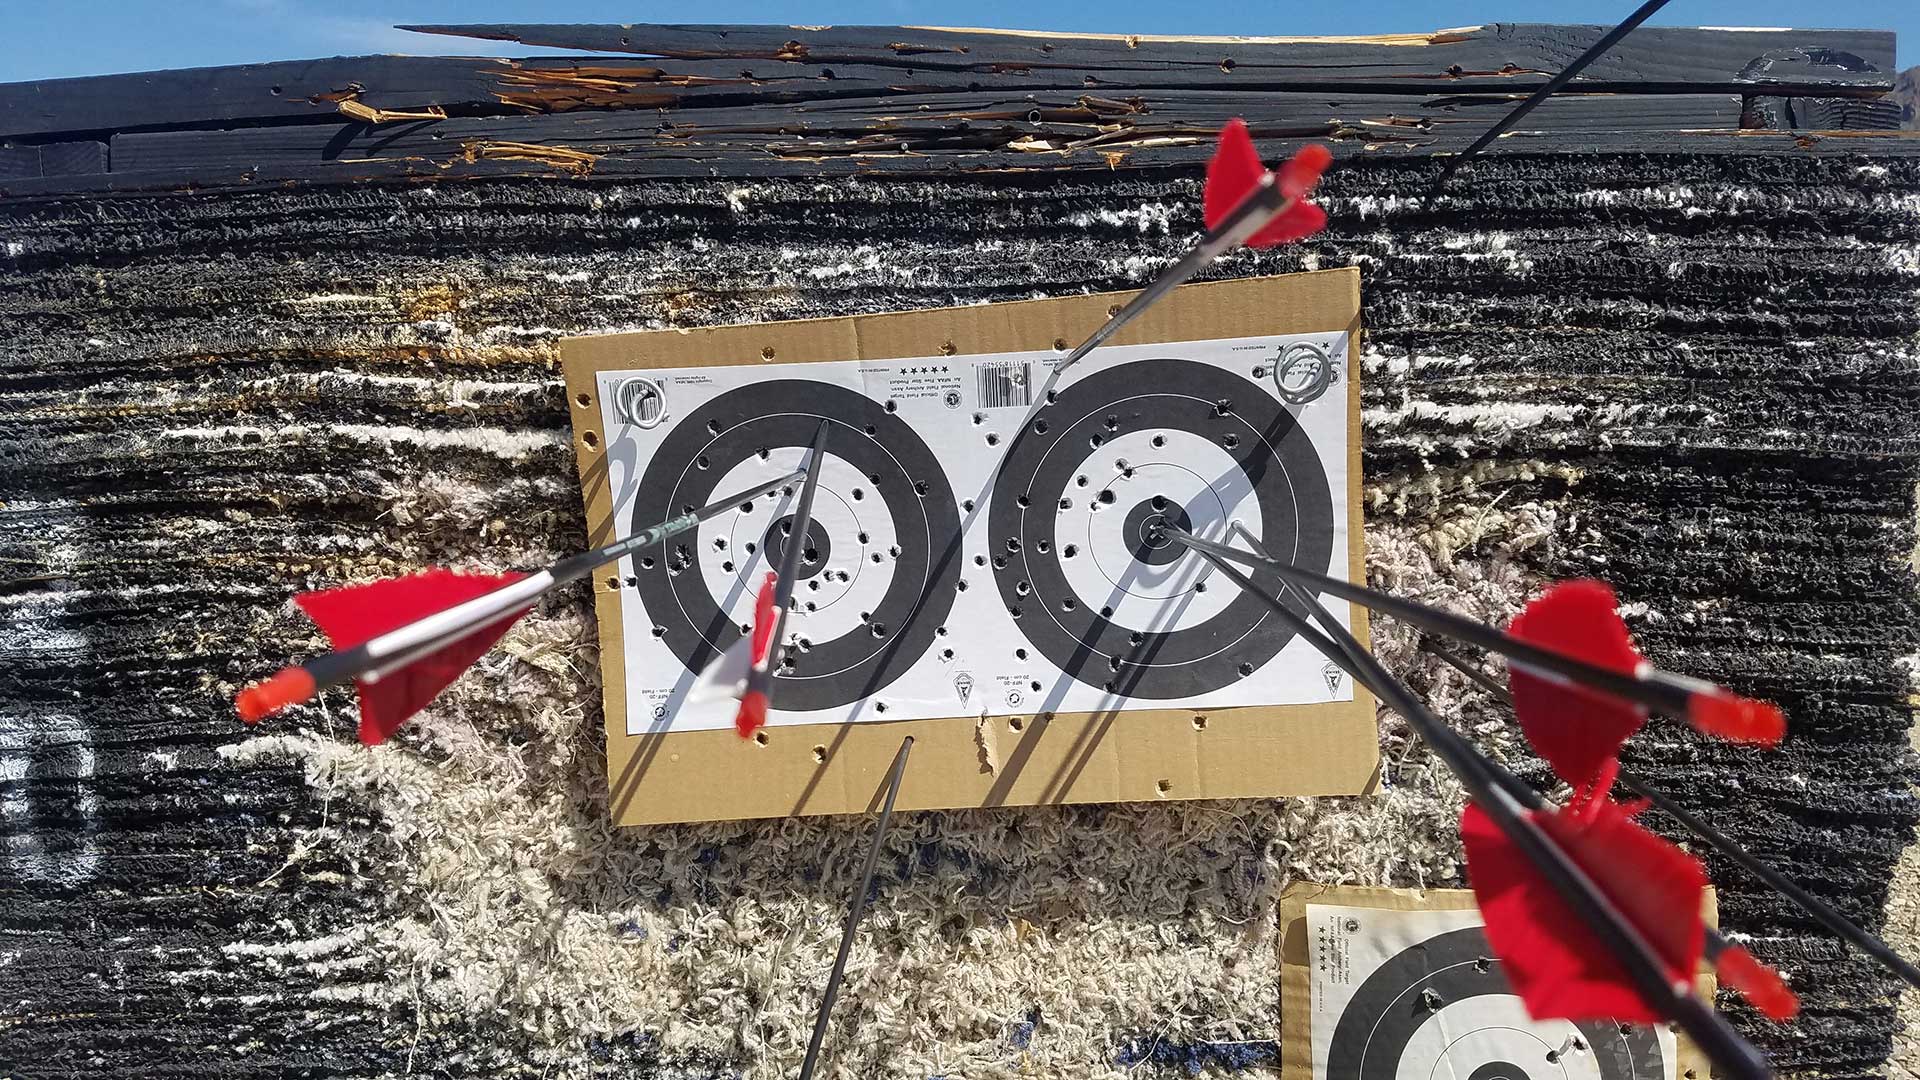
x: 813, y: 554
x: 1147, y: 523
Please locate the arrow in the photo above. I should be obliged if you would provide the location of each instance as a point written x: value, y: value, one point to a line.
x: 1242, y: 203
x: 1634, y: 947
x: 405, y: 639
x: 1578, y: 732
x: 1504, y: 124
x: 1759, y: 984
x: 1709, y: 708
x: 1822, y: 912
x: 855, y: 908
x: 769, y: 643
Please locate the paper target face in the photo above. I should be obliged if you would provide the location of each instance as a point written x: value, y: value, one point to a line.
x: 878, y: 560
x: 974, y: 551
x: 1418, y: 995
x: 1094, y: 587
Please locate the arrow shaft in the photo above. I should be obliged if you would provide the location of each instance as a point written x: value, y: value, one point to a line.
x: 1822, y: 912
x: 1497, y: 793
x: 855, y: 909
x: 1551, y: 87
x: 760, y: 678
x: 1261, y: 205
x: 1658, y: 690
x: 586, y: 562
x: 380, y: 656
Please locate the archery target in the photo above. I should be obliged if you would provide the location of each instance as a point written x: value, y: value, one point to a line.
x: 1091, y: 474
x: 1418, y: 995
x: 974, y: 550
x: 878, y: 563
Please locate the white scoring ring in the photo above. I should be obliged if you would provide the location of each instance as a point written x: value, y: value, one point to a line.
x: 852, y: 584
x: 1196, y: 473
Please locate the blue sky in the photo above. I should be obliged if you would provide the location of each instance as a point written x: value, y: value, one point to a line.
x: 41, y: 40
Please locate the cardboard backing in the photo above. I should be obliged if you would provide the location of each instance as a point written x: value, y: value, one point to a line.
x: 1319, y: 749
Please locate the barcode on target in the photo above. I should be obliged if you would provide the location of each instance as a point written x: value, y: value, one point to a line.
x: 1005, y: 384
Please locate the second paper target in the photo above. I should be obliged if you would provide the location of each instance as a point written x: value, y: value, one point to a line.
x: 1078, y: 552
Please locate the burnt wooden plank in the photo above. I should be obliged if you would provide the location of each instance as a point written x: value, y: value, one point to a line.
x: 73, y: 158
x: 309, y: 89
x: 1212, y: 108
x: 949, y: 122
x: 1830, y: 114
x: 949, y: 125
x: 291, y: 89
x: 1505, y: 59
x: 53, y: 159
x: 1665, y: 55
x: 19, y: 161
x: 766, y: 158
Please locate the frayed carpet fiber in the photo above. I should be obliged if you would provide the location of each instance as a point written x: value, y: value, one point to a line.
x: 1695, y: 378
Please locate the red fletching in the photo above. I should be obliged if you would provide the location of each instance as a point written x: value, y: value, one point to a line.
x: 1579, y: 731
x: 287, y: 687
x: 1762, y: 986
x: 1235, y: 170
x: 752, y: 715
x: 764, y: 617
x: 1556, y: 964
x: 352, y: 614
x: 1302, y: 172
x: 1736, y: 719
x: 1296, y: 222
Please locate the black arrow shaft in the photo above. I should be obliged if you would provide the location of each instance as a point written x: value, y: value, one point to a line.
x: 1495, y: 791
x: 855, y: 909
x: 1822, y: 912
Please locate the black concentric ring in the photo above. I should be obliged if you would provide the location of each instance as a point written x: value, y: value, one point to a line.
x: 1279, y: 462
x: 901, y: 470
x: 1380, y: 1020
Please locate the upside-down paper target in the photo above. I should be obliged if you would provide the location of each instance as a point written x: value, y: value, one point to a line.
x: 1401, y: 985
x: 986, y: 540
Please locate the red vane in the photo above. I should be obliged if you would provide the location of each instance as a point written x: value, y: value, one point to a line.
x: 352, y: 614
x: 1557, y: 965
x: 763, y: 619
x: 1735, y: 718
x: 1235, y: 170
x: 1762, y: 986
x: 752, y: 715
x: 1302, y: 172
x: 287, y: 687
x: 1579, y: 731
